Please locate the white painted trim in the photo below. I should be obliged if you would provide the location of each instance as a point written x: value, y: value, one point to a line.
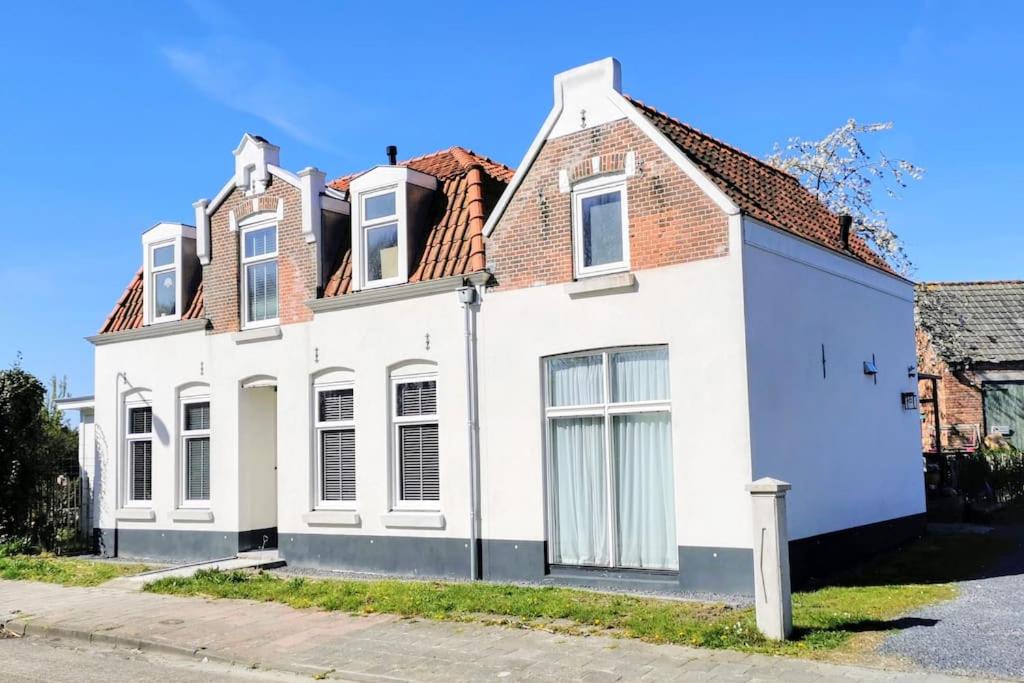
x: 135, y: 514
x: 319, y: 426
x: 259, y: 221
x: 590, y: 188
x: 255, y: 334
x: 332, y: 518
x: 219, y: 198
x: 525, y: 165
x: 311, y: 185
x: 177, y: 327
x: 413, y: 520
x: 670, y: 149
x: 76, y: 403
x: 409, y: 375
x: 284, y: 175
x: 202, y: 231
x: 601, y: 284
x: 191, y: 515
x: 382, y: 295
x: 787, y: 245
x: 183, y: 436
x: 636, y: 117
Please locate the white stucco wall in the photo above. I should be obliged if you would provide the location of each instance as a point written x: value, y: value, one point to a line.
x: 368, y: 341
x: 257, y: 454
x: 844, y: 442
x: 694, y: 308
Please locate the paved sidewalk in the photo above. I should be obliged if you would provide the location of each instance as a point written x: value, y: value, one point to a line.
x: 380, y: 647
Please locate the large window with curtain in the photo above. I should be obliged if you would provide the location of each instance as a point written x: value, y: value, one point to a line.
x: 609, y: 435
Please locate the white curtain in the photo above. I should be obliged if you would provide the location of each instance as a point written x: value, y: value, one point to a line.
x: 640, y: 375
x: 581, y: 507
x: 644, y: 488
x: 575, y: 381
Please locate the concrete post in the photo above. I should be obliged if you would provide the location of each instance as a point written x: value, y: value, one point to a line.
x: 771, y: 558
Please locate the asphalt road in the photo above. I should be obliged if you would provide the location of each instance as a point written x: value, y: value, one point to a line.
x: 36, y: 659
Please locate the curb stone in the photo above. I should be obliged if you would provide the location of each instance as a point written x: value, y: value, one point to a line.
x: 25, y: 628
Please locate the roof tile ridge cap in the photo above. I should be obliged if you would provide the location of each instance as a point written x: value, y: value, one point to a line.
x: 708, y: 136
x: 469, y: 158
x: 475, y: 206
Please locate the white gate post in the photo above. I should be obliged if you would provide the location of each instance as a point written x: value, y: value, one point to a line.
x: 771, y: 558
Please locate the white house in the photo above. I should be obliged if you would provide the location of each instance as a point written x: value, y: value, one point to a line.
x: 566, y: 372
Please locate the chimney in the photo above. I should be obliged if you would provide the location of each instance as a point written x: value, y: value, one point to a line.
x: 392, y: 155
x: 845, y: 221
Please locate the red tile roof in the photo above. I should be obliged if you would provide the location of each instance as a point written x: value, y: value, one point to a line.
x: 127, y: 313
x: 470, y: 187
x: 759, y: 189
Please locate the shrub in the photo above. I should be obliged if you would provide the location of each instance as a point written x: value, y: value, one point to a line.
x: 15, y: 545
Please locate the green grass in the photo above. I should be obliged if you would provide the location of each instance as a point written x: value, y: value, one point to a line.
x: 832, y: 619
x: 64, y: 570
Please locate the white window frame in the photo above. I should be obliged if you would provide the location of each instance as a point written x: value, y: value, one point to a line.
x: 591, y: 188
x: 245, y: 262
x: 606, y: 410
x: 186, y: 434
x: 155, y: 270
x: 129, y: 439
x: 325, y: 426
x: 397, y: 422
x: 366, y: 225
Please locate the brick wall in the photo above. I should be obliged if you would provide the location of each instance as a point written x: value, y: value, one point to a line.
x: 296, y: 261
x: 960, y: 400
x: 671, y: 220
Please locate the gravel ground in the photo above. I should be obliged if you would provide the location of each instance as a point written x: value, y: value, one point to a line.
x: 596, y: 585
x: 980, y: 632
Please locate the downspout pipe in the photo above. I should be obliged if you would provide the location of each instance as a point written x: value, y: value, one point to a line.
x: 468, y: 296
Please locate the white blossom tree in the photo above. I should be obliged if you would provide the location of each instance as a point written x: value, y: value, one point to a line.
x: 839, y: 171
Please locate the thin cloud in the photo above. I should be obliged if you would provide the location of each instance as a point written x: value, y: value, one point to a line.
x: 253, y: 79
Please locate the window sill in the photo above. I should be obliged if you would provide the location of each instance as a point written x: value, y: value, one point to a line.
x: 136, y: 514
x: 601, y: 284
x: 256, y: 334
x: 332, y: 518
x: 413, y: 520
x: 191, y: 515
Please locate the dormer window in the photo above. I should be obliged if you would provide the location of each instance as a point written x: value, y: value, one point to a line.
x: 164, y: 276
x: 600, y: 227
x: 391, y: 208
x: 380, y: 236
x: 170, y: 271
x: 259, y: 274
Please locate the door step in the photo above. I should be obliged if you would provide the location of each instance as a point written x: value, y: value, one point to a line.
x: 253, y: 559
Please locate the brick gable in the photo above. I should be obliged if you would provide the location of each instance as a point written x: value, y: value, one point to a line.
x: 296, y: 260
x: 671, y: 220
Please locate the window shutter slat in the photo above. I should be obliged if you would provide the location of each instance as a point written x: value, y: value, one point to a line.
x: 142, y: 463
x: 198, y: 469
x: 417, y: 398
x: 337, y: 404
x: 197, y: 416
x: 419, y: 468
x: 140, y: 421
x: 338, y: 465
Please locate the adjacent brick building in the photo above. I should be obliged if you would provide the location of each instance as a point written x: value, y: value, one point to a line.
x: 970, y: 346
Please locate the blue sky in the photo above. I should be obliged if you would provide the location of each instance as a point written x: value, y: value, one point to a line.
x: 119, y: 115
